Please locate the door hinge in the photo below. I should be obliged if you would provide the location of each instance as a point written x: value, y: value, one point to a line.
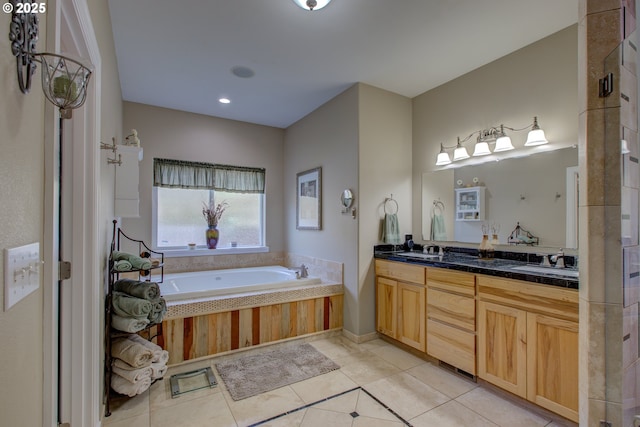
x: 605, y: 86
x: 64, y: 270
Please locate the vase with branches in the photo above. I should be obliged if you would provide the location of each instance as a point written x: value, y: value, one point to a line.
x: 212, y: 214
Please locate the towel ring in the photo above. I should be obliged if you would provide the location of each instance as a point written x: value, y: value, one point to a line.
x: 438, y: 206
x: 387, y: 200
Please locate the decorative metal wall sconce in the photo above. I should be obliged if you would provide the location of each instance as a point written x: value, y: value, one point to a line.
x: 64, y: 80
x: 113, y: 147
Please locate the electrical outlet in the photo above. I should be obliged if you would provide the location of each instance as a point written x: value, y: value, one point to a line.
x: 21, y: 273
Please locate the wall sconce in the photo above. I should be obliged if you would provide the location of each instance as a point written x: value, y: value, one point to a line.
x: 494, y: 136
x: 64, y: 80
x: 312, y: 5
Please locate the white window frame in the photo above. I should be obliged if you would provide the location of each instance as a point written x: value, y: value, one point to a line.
x: 180, y: 251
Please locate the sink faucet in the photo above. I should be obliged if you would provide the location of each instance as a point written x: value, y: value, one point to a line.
x: 545, y: 260
x: 301, y: 272
x: 558, y: 259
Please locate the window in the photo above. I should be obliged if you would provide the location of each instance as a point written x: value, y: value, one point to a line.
x: 181, y: 188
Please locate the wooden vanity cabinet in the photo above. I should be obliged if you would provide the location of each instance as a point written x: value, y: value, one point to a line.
x: 400, y: 302
x: 451, y: 318
x: 528, y: 341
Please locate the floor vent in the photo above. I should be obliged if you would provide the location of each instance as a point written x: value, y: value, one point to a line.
x: 192, y: 381
x: 457, y: 371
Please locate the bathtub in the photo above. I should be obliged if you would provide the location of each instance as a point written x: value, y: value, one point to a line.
x: 211, y: 283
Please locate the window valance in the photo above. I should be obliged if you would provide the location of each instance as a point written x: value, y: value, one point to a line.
x: 197, y: 175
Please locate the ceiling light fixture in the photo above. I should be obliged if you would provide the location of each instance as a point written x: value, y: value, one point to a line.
x: 312, y: 4
x: 64, y: 80
x: 493, y: 135
x: 224, y: 101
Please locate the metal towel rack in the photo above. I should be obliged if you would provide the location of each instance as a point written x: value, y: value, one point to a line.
x: 388, y: 207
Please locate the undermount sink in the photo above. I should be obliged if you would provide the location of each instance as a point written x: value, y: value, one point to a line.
x: 418, y: 255
x: 547, y: 270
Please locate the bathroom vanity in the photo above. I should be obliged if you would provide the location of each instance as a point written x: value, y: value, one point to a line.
x: 514, y: 328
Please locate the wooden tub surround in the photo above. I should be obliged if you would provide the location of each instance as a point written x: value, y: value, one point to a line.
x: 198, y: 329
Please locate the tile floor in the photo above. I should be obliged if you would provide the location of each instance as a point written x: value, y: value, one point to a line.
x: 374, y: 377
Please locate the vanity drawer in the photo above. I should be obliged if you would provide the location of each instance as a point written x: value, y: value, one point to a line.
x: 400, y: 271
x: 452, y: 345
x: 453, y: 281
x: 451, y: 308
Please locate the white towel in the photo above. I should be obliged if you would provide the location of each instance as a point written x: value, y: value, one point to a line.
x: 124, y: 386
x: 158, y: 370
x: 134, y: 375
x: 132, y: 352
x: 159, y: 355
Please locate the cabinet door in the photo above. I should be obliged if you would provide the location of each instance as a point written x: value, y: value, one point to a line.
x: 412, y: 315
x: 502, y: 347
x: 386, y: 304
x: 552, y: 364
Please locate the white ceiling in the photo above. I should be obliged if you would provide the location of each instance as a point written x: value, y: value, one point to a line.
x: 178, y: 54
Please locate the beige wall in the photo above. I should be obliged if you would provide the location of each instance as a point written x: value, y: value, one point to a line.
x: 537, y: 80
x: 21, y: 192
x: 385, y: 146
x: 186, y: 136
x: 327, y: 138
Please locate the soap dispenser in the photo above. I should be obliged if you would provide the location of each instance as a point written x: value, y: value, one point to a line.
x: 408, y: 242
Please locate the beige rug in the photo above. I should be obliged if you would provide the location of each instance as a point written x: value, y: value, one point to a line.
x: 253, y: 374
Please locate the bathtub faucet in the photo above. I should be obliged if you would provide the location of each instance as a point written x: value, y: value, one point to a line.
x: 301, y: 272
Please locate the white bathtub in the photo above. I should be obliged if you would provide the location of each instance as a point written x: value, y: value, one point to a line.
x: 202, y: 284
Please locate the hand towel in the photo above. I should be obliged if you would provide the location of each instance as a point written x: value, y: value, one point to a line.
x: 134, y: 375
x: 128, y: 324
x: 159, y: 355
x: 124, y: 386
x: 158, y: 311
x: 127, y: 306
x: 131, y: 352
x: 158, y: 370
x: 146, y: 290
x: 391, y: 229
x: 122, y: 265
x: 438, y: 229
x: 136, y: 262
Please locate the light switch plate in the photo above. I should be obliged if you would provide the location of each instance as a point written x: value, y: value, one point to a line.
x: 21, y: 273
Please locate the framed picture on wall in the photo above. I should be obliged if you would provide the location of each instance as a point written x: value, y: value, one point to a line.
x: 309, y: 200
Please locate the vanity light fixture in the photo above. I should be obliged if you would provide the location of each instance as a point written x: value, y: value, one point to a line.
x: 491, y: 136
x: 64, y: 80
x: 312, y: 4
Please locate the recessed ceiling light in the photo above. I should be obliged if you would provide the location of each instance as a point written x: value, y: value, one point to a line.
x: 243, y: 72
x: 224, y: 101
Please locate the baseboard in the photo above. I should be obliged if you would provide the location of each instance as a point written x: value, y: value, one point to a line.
x: 359, y: 339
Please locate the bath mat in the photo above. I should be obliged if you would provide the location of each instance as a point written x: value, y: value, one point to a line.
x: 267, y: 370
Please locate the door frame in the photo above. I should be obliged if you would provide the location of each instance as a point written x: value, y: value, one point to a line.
x: 70, y: 20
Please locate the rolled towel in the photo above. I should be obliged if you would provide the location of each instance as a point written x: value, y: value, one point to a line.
x: 155, y: 262
x: 127, y: 306
x: 128, y: 324
x: 146, y: 290
x: 158, y: 311
x: 122, y: 265
x: 135, y: 375
x: 158, y: 370
x: 131, y: 352
x: 124, y: 386
x: 158, y: 352
x: 136, y: 262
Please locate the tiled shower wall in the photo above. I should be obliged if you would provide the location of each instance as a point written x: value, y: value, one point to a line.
x: 609, y: 183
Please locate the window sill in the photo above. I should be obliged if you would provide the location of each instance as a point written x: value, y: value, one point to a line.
x: 174, y: 253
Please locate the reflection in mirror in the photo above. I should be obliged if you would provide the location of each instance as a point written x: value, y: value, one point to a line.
x: 538, y: 191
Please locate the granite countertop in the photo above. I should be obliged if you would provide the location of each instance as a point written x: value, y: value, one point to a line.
x: 499, y: 267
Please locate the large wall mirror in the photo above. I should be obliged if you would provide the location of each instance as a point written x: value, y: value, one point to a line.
x: 539, y: 191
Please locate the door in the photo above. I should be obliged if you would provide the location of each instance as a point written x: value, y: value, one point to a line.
x: 502, y: 347
x: 412, y: 317
x: 552, y: 364
x: 386, y: 314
